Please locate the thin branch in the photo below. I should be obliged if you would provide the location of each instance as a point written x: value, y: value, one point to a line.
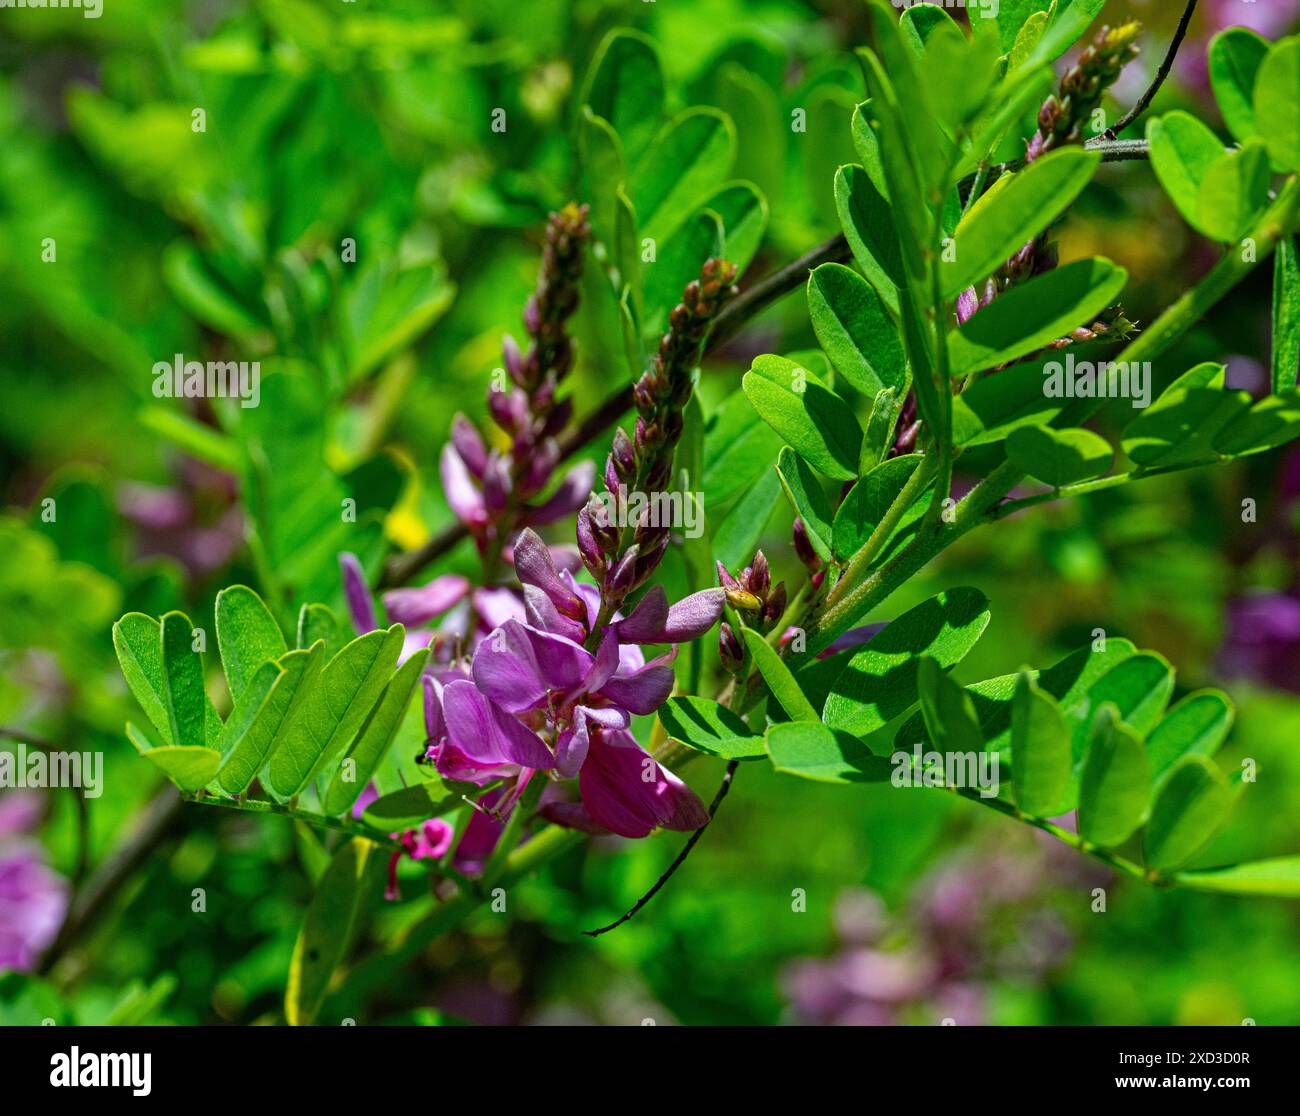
x: 163, y: 812
x: 1119, y: 151
x: 263, y: 806
x: 1161, y: 74
x: 678, y: 861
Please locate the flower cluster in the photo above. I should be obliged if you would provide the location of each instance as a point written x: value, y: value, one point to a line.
x: 534, y: 699
x: 643, y: 463
x: 489, y: 490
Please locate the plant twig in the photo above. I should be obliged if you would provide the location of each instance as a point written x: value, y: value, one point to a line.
x: 678, y: 861
x: 161, y: 815
x: 1161, y: 74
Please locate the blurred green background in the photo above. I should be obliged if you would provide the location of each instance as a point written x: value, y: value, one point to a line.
x: 371, y: 121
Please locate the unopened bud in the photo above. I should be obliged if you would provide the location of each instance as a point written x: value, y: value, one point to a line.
x: 730, y: 649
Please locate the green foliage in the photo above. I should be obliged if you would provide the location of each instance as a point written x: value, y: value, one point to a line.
x: 298, y: 715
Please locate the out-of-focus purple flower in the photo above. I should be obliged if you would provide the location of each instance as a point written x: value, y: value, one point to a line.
x: 1263, y: 640
x: 978, y: 915
x: 33, y: 898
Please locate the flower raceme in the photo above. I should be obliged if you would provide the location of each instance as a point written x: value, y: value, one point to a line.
x: 534, y: 699
x: 528, y: 698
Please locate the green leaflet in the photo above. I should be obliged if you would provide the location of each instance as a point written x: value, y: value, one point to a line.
x: 375, y: 737
x: 138, y: 642
x: 1067, y: 681
x: 1115, y: 780
x: 738, y: 534
x: 332, y: 921
x: 251, y: 741
x: 709, y: 727
x: 1181, y: 426
x: 246, y: 709
x: 1277, y: 103
x: 626, y: 88
x: 812, y: 751
x: 1021, y: 92
x: 868, y: 501
x: 1279, y: 876
x: 1059, y: 457
x: 689, y: 159
x: 947, y: 710
x: 332, y: 711
x: 316, y: 622
x: 1040, y: 749
x: 601, y: 156
x: 743, y: 212
x: 187, y: 701
x: 1235, y: 56
x: 247, y: 636
x: 1188, y: 810
x: 802, y: 410
x: 879, y: 681
x: 1272, y: 422
x: 190, y: 767
x: 761, y: 133
x: 881, y: 425
x: 1138, y: 687
x: 737, y: 450
x: 1012, y: 16
x: 1016, y: 210
x: 865, y: 217
x: 854, y: 327
x: 1234, y: 192
x: 1182, y: 152
x: 679, y: 259
x: 1286, y: 315
x: 1197, y: 725
x: 778, y: 678
x: 988, y: 410
x: 1032, y: 315
x: 803, y: 488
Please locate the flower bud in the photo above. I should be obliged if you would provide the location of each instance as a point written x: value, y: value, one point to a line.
x: 730, y: 649
x: 760, y: 577
x: 621, y: 579
x: 588, y: 545
x: 774, y: 609
x: 803, y: 546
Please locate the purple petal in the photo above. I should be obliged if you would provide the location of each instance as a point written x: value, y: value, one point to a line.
x: 414, y: 607
x: 627, y: 792
x: 506, y: 668
x: 355, y: 588
x: 572, y: 494
x: 496, y: 606
x: 647, y: 619
x: 469, y: 445
x: 643, y: 691
x: 535, y: 566
x: 654, y: 622
x: 486, y: 734
x: 571, y: 747
x: 541, y: 612
x: 967, y: 303
x: 604, y: 665
x: 465, y: 500
x: 435, y: 725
